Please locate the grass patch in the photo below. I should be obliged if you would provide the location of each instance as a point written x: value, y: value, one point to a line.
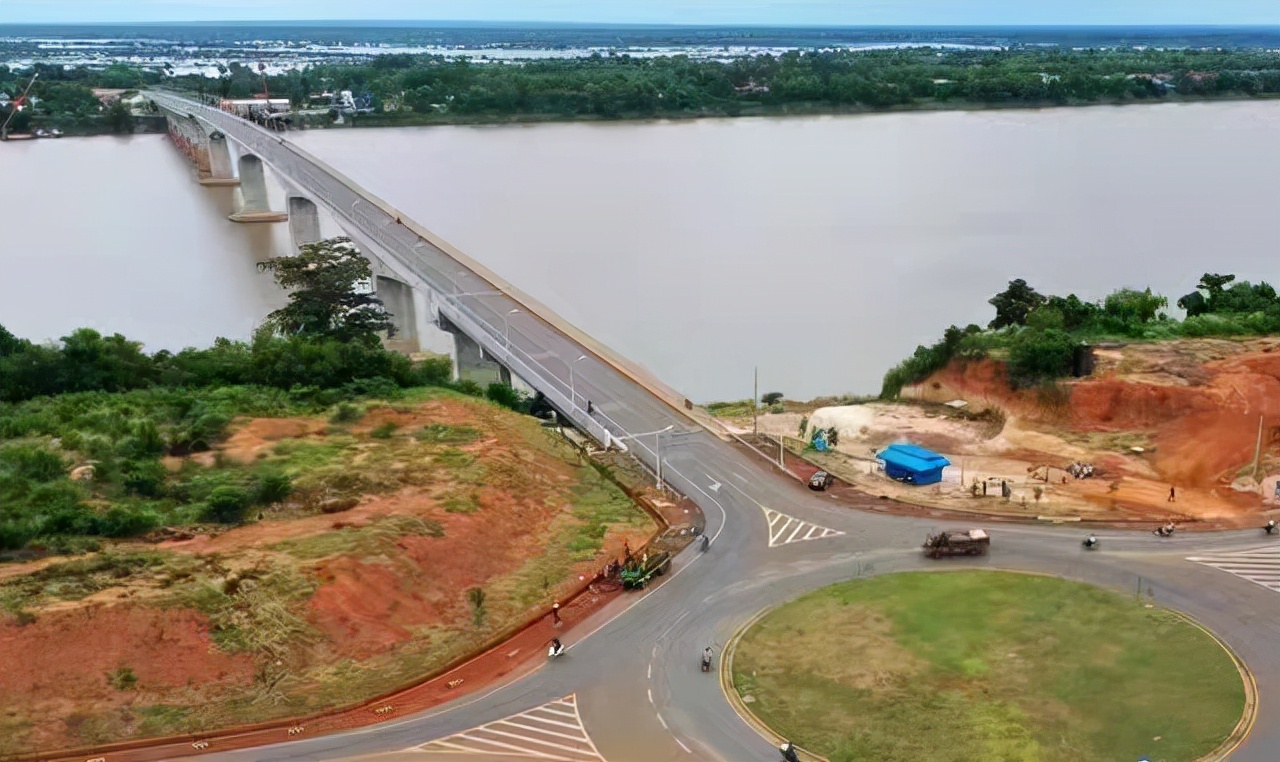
x: 456, y: 502
x: 74, y: 580
x: 372, y: 540
x: 734, y: 409
x: 163, y: 720
x: 1121, y: 441
x: 992, y: 666
x: 384, y: 430
x: 439, y: 433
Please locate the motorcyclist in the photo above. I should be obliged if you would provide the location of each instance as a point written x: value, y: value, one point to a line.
x: 556, y: 647
x: 1090, y: 541
x: 706, y: 658
x: 706, y: 542
x: 788, y: 750
x: 1271, y: 526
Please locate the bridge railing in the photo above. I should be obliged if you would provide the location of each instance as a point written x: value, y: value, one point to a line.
x: 404, y: 248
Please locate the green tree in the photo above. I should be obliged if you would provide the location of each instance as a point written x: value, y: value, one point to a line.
x: 120, y: 118
x: 1014, y: 304
x: 1132, y: 306
x: 1038, y: 355
x: 324, y: 302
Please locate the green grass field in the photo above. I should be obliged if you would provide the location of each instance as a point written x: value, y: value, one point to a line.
x: 986, y: 666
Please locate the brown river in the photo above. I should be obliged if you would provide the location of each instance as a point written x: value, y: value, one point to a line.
x: 822, y: 250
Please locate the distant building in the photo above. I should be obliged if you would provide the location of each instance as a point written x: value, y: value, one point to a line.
x: 909, y: 463
x: 251, y: 106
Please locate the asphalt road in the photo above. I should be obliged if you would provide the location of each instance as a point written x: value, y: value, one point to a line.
x: 635, y: 683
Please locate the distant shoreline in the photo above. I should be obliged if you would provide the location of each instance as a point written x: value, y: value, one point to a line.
x: 470, y: 120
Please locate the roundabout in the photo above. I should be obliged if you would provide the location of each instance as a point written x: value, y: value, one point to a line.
x: 985, y: 665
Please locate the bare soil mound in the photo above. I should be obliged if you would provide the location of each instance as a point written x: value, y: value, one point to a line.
x: 457, y: 520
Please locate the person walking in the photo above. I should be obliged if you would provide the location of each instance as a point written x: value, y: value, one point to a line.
x: 1172, y: 494
x: 555, y: 614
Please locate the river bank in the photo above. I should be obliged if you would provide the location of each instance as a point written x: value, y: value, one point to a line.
x: 414, y: 119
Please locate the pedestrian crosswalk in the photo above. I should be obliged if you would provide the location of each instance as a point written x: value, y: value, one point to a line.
x: 552, y: 731
x: 784, y: 529
x: 1260, y: 566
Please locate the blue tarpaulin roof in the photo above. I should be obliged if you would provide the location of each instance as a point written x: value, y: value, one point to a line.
x: 913, y: 458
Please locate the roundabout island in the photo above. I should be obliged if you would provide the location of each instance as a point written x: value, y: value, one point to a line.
x: 986, y: 665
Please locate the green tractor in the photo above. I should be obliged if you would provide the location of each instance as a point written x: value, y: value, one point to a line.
x: 637, y: 572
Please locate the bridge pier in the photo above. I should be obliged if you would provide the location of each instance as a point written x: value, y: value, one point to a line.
x: 304, y: 221
x: 469, y: 360
x: 253, y: 194
x: 221, y: 170
x: 397, y: 297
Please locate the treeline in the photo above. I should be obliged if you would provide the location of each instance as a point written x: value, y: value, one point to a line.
x: 621, y: 86
x: 1043, y: 335
x: 64, y: 97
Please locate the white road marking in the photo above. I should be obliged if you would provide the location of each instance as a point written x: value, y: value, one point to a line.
x: 552, y: 731
x: 1260, y: 566
x: 784, y: 529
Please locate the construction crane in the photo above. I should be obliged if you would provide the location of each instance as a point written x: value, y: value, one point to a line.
x: 16, y: 106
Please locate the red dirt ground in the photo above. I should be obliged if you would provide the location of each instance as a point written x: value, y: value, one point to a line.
x: 166, y: 649
x: 1202, y: 417
x: 363, y: 606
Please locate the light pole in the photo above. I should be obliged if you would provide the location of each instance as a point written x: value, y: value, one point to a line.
x: 657, y: 451
x: 506, y: 326
x: 573, y: 392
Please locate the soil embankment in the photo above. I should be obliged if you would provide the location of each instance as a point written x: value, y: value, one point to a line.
x: 412, y: 535
x: 1182, y: 416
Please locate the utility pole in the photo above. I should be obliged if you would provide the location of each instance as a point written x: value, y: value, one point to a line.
x: 755, y: 401
x: 1257, y: 452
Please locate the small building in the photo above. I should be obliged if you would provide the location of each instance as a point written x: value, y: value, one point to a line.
x: 909, y: 463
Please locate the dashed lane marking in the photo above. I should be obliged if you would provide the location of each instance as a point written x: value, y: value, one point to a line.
x: 552, y: 731
x: 1260, y: 566
x: 784, y: 529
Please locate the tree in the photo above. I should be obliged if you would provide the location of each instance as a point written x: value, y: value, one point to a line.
x: 1037, y: 355
x: 771, y: 399
x: 120, y: 118
x: 324, y: 302
x: 1014, y: 304
x: 1133, y: 306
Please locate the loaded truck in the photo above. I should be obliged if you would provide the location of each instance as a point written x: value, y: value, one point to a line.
x: 957, y: 542
x: 637, y: 572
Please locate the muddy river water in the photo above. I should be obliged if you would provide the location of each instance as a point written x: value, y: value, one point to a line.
x: 822, y: 250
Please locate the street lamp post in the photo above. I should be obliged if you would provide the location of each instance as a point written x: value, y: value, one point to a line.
x: 573, y: 391
x: 657, y: 450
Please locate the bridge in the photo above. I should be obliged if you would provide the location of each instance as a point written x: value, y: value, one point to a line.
x: 629, y: 689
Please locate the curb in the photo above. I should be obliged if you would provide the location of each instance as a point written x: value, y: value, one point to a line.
x: 1250, y: 716
x: 735, y: 701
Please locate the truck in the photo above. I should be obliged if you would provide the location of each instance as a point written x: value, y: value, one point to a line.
x: 957, y: 542
x: 637, y: 572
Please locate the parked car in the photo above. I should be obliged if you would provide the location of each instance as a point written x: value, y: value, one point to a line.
x: 820, y: 480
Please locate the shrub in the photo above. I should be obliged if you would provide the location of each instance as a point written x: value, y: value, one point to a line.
x: 227, y: 504
x: 346, y: 413
x: 145, y: 478
x: 504, y: 395
x: 120, y: 521
x: 31, y: 462
x: 384, y: 430
x: 1039, y: 355
x: 271, y: 486
x: 122, y: 679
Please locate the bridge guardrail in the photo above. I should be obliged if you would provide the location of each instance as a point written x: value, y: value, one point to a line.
x: 401, y: 248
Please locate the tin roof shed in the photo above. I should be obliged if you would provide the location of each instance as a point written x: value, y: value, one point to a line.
x: 909, y: 463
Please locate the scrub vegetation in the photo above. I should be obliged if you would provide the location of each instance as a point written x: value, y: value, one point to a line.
x: 1040, y: 336
x: 981, y: 665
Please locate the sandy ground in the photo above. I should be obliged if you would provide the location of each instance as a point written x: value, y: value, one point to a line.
x: 365, y: 605
x: 1192, y: 407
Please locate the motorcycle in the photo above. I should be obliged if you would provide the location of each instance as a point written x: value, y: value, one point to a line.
x: 1090, y: 542
x: 1269, y: 527
x: 706, y: 661
x: 706, y: 543
x: 1164, y: 531
x: 555, y: 650
x: 788, y: 750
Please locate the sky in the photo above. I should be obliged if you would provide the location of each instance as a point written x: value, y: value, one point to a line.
x: 766, y: 12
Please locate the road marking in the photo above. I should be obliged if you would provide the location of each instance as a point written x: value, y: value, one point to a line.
x: 551, y: 731
x: 1260, y: 566
x: 715, y: 486
x: 784, y: 529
